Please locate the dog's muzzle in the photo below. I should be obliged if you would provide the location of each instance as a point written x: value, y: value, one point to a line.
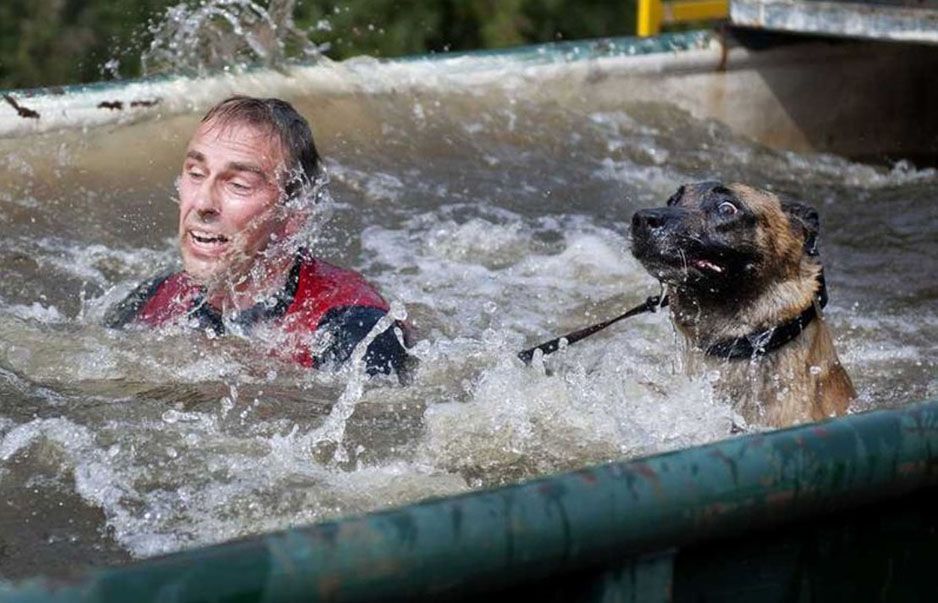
x: 652, y: 227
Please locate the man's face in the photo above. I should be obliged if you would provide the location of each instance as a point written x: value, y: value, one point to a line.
x: 229, y: 196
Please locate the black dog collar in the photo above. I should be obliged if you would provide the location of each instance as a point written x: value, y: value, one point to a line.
x: 762, y: 342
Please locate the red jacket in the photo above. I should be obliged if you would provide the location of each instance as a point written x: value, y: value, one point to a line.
x: 317, y: 296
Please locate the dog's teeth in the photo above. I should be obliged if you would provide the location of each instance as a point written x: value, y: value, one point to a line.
x: 704, y: 264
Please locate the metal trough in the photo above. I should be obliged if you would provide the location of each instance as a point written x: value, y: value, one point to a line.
x: 844, y: 508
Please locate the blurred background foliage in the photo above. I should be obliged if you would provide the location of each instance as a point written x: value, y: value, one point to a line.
x: 56, y: 42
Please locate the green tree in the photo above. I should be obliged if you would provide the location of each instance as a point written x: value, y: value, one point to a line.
x: 48, y: 42
x: 387, y: 28
x: 52, y: 42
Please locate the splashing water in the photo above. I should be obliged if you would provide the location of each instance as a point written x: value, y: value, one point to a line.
x: 496, y: 216
x: 226, y: 35
x: 333, y: 428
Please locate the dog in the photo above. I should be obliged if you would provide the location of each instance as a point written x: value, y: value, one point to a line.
x: 746, y: 287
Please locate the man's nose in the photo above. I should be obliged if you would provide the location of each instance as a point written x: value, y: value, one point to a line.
x: 206, y: 201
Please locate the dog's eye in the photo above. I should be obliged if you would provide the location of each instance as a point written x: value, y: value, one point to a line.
x: 727, y: 209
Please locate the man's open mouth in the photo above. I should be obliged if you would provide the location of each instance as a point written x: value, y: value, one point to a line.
x: 207, y: 238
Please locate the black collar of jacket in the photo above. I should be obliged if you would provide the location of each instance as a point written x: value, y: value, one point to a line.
x: 760, y: 343
x: 274, y: 307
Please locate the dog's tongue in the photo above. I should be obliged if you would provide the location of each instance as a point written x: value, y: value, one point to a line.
x: 707, y: 265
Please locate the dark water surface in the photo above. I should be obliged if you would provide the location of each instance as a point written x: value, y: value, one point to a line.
x: 496, y: 218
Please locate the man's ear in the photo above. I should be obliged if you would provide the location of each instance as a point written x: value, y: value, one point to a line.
x: 804, y: 219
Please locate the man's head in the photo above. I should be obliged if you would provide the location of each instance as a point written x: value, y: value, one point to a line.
x: 248, y: 171
x: 716, y: 239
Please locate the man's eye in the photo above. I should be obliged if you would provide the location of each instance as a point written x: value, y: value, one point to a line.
x: 195, y: 175
x: 727, y: 209
x: 239, y: 187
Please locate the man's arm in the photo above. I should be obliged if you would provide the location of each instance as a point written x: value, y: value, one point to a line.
x: 349, y: 325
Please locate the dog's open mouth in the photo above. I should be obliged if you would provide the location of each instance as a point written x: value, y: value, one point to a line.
x: 685, y: 268
x: 686, y: 259
x: 706, y: 266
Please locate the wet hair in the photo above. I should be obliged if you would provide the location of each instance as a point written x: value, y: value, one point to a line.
x: 279, y: 118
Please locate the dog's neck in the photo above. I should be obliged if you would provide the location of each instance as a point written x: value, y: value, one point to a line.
x: 707, y: 321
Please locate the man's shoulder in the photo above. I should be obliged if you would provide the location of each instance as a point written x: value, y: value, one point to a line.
x: 349, y: 307
x: 324, y: 284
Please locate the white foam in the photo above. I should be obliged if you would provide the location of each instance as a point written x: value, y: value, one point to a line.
x: 37, y: 312
x: 519, y: 422
x: 860, y: 175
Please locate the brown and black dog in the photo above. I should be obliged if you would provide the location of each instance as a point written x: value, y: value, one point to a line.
x: 746, y: 288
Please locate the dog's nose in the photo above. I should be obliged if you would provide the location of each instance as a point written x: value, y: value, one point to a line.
x: 648, y: 219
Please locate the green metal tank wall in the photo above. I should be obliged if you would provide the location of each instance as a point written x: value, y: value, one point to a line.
x: 799, y: 502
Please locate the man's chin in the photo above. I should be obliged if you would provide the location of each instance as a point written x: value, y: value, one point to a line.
x: 205, y: 272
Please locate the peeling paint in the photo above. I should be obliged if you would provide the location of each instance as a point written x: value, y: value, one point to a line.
x: 144, y: 103
x: 587, y: 476
x: 730, y: 464
x: 22, y: 111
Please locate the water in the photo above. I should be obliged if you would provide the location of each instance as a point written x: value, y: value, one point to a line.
x: 496, y: 216
x: 200, y: 38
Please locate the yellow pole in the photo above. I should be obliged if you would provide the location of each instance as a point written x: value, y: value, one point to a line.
x: 649, y: 17
x: 652, y: 13
x: 695, y: 10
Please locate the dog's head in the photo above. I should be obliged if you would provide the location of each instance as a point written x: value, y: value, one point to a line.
x: 715, y: 238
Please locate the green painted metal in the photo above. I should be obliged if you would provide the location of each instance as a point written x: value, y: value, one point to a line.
x: 613, y: 527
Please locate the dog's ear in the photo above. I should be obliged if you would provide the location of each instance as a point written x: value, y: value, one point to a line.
x: 805, y: 219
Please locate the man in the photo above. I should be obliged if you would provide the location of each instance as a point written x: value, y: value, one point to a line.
x: 249, y: 179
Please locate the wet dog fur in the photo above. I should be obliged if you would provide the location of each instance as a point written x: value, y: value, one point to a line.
x: 737, y: 260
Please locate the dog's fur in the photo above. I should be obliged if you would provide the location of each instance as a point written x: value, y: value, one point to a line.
x: 737, y: 260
